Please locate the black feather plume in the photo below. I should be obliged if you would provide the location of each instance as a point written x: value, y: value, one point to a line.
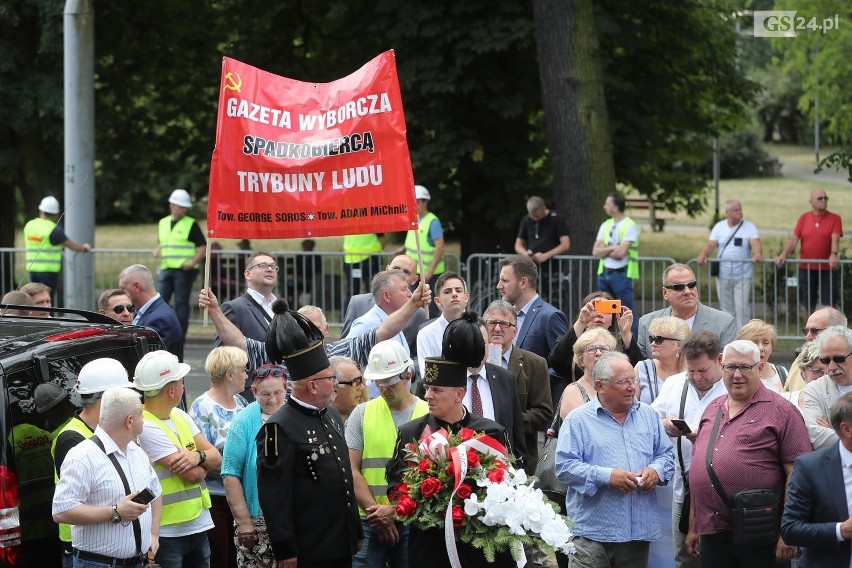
x: 289, y: 332
x: 463, y: 341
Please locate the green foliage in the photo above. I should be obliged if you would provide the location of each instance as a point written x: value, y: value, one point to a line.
x: 742, y: 155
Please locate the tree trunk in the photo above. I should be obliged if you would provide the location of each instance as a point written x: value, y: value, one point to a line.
x: 575, y: 115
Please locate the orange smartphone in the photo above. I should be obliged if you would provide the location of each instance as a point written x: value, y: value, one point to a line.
x: 604, y: 306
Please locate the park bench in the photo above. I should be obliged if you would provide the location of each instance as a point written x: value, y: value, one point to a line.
x: 643, y: 203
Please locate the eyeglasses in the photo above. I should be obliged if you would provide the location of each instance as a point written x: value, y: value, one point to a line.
x: 822, y: 198
x: 596, y: 348
x: 264, y: 266
x: 816, y: 372
x: 356, y: 382
x: 501, y: 323
x: 120, y: 309
x: 658, y: 339
x: 265, y: 394
x: 625, y: 383
x: 681, y: 287
x: 263, y: 372
x: 836, y: 358
x: 741, y: 368
x: 812, y: 330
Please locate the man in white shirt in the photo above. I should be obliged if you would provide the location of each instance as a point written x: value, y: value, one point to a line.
x: 684, y: 396
x: 91, y: 494
x: 451, y: 298
x: 738, y: 241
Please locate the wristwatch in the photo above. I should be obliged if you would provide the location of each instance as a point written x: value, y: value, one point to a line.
x: 116, y: 518
x: 203, y: 457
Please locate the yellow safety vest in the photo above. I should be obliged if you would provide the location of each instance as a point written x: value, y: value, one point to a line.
x: 379, y: 441
x: 73, y: 425
x: 632, y: 253
x: 426, y: 249
x: 175, y: 246
x: 358, y: 248
x: 182, y: 500
x: 41, y: 255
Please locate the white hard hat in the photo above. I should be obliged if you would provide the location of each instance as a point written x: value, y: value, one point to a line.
x: 387, y: 359
x: 157, y: 369
x: 99, y: 375
x: 48, y: 395
x: 421, y: 192
x: 49, y: 205
x: 181, y: 198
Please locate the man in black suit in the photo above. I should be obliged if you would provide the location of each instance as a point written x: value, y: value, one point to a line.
x: 151, y: 310
x: 817, y: 514
x: 252, y: 311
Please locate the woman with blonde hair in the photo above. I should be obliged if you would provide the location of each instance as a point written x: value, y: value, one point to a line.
x: 766, y: 338
x: 588, y: 348
x: 812, y: 369
x: 665, y: 334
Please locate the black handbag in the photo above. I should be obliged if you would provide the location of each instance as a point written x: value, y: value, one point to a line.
x: 755, y: 513
x: 545, y: 469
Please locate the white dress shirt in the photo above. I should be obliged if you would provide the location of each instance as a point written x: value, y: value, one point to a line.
x: 263, y: 301
x: 484, y: 392
x: 429, y: 342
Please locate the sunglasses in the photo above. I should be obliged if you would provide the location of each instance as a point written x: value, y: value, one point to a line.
x: 357, y: 381
x: 812, y: 330
x: 836, y: 358
x: 816, y: 372
x: 823, y: 198
x: 120, y: 309
x: 658, y: 339
x: 681, y: 287
x: 263, y: 372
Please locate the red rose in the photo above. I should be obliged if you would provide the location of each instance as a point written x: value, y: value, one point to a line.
x: 402, y: 489
x: 464, y: 491
x: 450, y: 471
x: 458, y: 516
x: 500, y: 464
x: 424, y: 466
x: 496, y: 475
x: 406, y: 506
x: 466, y: 434
x: 429, y: 487
x: 472, y: 458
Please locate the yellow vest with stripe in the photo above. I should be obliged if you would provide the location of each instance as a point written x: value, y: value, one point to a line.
x: 41, y: 255
x: 426, y: 249
x: 358, y: 248
x: 175, y: 246
x: 73, y: 425
x: 182, y: 500
x: 379, y: 441
x: 632, y: 252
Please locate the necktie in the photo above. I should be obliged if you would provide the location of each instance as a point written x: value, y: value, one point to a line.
x: 475, y: 398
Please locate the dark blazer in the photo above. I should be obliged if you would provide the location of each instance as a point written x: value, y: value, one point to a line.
x: 360, y: 304
x: 161, y: 318
x: 706, y: 319
x: 816, y: 502
x: 245, y: 313
x: 507, y: 409
x: 543, y: 325
x: 533, y: 383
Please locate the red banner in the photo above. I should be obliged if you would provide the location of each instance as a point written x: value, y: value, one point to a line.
x: 297, y: 160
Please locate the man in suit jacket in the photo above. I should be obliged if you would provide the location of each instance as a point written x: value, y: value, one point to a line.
x: 680, y: 291
x: 817, y: 514
x: 360, y: 304
x: 151, y: 310
x: 529, y: 371
x: 252, y: 311
x: 540, y: 324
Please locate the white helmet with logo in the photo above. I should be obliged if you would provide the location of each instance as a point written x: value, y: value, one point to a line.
x: 387, y: 359
x: 157, y: 369
x: 99, y: 375
x: 181, y: 198
x: 49, y: 205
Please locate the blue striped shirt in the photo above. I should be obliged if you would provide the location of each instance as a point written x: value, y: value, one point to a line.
x: 591, y: 444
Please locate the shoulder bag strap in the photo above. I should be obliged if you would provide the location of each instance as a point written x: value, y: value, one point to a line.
x: 556, y: 423
x: 652, y: 379
x: 729, y: 239
x: 137, y: 528
x: 259, y: 307
x: 782, y: 373
x: 680, y: 438
x: 712, y: 474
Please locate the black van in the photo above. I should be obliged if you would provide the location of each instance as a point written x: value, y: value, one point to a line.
x: 33, y: 351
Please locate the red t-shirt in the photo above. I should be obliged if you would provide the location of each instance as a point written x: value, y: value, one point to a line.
x: 815, y: 233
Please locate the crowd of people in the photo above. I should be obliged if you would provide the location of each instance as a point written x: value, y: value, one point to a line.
x: 290, y: 457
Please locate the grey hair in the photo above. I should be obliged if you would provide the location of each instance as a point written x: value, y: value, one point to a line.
x: 810, y: 353
x: 501, y: 306
x: 309, y: 309
x: 117, y: 403
x: 835, y: 316
x: 383, y: 281
x: 338, y: 360
x: 141, y: 273
x: 835, y: 332
x: 743, y: 347
x: 603, y: 368
x: 535, y: 203
x: 676, y: 266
